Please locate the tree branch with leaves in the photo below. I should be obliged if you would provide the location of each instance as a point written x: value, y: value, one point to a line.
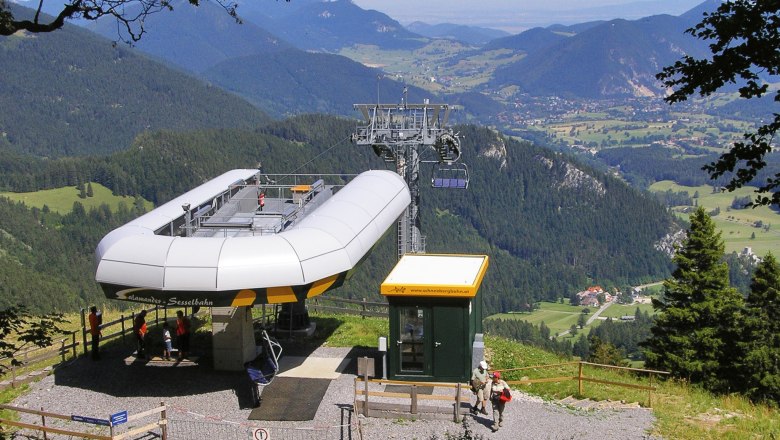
x: 19, y: 330
x: 745, y: 43
x: 130, y: 15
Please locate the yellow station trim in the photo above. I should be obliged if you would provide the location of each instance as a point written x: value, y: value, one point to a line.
x: 243, y: 298
x: 278, y: 295
x: 417, y: 285
x: 321, y: 286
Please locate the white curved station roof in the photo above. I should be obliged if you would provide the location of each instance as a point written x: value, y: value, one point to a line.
x: 329, y: 241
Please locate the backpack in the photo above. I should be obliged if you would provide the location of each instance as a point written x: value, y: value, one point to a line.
x: 99, y: 316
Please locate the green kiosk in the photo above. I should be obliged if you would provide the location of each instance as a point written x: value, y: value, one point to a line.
x: 435, y: 313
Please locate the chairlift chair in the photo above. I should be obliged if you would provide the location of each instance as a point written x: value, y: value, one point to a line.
x: 450, y: 175
x: 264, y: 368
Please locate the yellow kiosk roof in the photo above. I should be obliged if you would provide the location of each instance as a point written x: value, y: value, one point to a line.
x: 451, y: 276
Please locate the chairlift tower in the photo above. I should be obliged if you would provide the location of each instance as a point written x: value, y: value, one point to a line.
x: 405, y: 135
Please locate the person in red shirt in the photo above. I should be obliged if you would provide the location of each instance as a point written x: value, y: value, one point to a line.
x: 94, y: 330
x: 182, y: 334
x: 261, y: 200
x: 139, y: 329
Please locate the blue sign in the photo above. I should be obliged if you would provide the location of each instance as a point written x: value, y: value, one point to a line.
x: 91, y: 420
x: 119, y: 418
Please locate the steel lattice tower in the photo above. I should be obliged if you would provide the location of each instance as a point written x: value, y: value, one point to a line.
x: 402, y: 134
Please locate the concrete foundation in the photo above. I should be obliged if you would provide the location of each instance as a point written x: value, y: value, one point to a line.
x: 233, y: 337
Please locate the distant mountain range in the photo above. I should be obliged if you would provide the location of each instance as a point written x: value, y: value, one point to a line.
x: 616, y: 58
x: 475, y: 35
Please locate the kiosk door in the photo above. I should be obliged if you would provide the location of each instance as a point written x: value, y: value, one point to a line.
x: 449, y: 351
x: 411, y: 340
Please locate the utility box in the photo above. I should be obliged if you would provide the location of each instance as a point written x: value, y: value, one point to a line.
x: 435, y: 313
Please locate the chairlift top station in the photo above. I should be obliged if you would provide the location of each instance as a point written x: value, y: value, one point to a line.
x: 216, y: 246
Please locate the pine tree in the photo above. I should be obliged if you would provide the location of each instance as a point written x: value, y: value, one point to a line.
x: 761, y: 338
x: 694, y: 336
x: 90, y: 193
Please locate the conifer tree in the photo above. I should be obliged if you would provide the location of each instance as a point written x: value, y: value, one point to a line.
x: 694, y: 335
x: 761, y: 337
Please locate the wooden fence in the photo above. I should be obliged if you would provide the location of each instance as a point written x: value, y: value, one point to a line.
x: 581, y: 378
x: 375, y: 403
x: 370, y: 406
x: 66, y: 348
x: 362, y: 307
x: 113, y: 423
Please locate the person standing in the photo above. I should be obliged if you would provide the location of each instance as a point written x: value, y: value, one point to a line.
x: 261, y: 200
x: 95, y: 319
x: 182, y: 334
x: 479, y: 381
x: 139, y: 329
x: 498, y: 389
x: 167, y: 341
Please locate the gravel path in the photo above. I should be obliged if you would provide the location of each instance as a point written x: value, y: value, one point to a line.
x: 208, y: 398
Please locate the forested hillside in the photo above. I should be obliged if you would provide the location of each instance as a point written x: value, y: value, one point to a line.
x: 293, y: 82
x: 550, y: 227
x: 73, y: 93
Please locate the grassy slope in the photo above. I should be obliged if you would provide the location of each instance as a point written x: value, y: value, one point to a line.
x: 736, y: 225
x: 61, y: 200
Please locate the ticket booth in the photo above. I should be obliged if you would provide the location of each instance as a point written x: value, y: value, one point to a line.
x: 435, y: 313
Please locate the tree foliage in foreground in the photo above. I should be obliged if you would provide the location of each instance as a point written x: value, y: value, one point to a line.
x: 695, y: 331
x: 761, y: 336
x: 20, y: 330
x: 745, y: 41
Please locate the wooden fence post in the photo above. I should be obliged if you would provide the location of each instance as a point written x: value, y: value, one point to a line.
x: 84, y: 331
x: 73, y: 343
x: 43, y: 423
x: 650, y: 393
x: 579, y: 381
x: 456, y: 419
x: 122, y: 318
x: 413, y: 408
x: 365, y: 379
x: 164, y: 422
x: 354, y: 397
x: 62, y: 350
x: 156, y: 315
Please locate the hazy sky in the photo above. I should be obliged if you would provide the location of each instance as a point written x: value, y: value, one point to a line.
x: 517, y: 15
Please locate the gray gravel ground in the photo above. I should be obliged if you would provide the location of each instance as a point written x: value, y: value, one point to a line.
x: 206, y: 404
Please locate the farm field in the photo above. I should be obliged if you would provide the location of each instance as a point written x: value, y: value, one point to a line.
x: 736, y: 225
x: 618, y: 128
x: 61, y: 200
x: 558, y: 317
x: 618, y: 310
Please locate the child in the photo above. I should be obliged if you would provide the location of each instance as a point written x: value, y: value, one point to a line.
x: 167, y: 341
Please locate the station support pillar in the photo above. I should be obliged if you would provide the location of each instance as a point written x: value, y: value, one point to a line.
x: 233, y: 337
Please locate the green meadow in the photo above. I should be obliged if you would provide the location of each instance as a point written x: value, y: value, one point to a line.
x: 737, y: 226
x: 61, y: 200
x: 558, y: 317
